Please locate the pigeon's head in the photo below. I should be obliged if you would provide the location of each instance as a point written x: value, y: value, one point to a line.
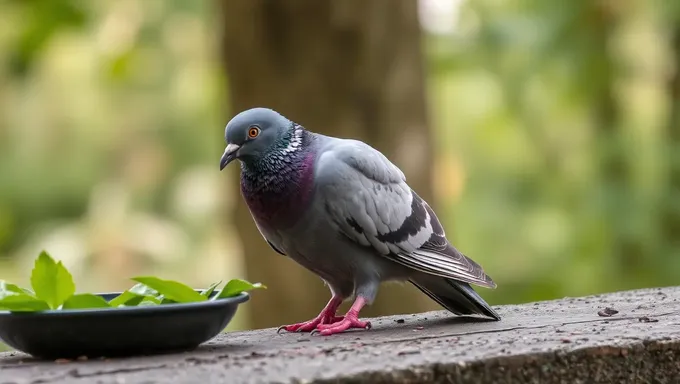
x: 255, y: 133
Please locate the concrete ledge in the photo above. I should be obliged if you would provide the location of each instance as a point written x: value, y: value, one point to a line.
x: 560, y: 341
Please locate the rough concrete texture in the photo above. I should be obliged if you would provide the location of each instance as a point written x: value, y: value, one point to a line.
x: 561, y: 341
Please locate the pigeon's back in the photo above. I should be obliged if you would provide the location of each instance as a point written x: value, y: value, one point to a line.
x: 368, y: 199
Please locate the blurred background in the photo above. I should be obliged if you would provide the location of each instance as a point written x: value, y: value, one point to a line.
x: 545, y: 134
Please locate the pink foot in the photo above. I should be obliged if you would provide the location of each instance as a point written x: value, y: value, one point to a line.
x: 327, y: 316
x: 351, y: 320
x: 341, y: 326
x: 310, y: 325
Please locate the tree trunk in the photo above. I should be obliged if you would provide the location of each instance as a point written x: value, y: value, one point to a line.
x: 670, y: 218
x: 351, y: 69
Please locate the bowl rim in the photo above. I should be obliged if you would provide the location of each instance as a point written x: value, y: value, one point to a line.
x: 173, y: 307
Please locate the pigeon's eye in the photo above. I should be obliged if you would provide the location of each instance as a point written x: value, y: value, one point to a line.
x: 253, y: 132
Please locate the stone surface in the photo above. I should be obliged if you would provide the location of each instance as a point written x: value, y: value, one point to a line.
x: 561, y: 341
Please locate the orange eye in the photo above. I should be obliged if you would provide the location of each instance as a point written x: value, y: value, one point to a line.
x: 253, y: 132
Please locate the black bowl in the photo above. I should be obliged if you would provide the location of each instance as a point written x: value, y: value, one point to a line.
x: 123, y: 331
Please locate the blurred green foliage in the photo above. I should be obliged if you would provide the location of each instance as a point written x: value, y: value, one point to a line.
x: 561, y: 113
x: 109, y: 113
x: 557, y: 124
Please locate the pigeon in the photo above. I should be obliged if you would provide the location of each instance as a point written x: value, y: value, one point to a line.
x: 339, y: 208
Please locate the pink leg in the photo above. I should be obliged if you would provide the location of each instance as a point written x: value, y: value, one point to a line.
x: 351, y: 320
x: 327, y: 316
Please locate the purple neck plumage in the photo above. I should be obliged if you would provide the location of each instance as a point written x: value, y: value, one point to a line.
x: 278, y: 186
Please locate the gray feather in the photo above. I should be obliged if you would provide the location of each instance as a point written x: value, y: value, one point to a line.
x: 368, y: 198
x: 453, y: 295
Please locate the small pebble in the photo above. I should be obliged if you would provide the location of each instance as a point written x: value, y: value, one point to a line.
x: 607, y: 312
x: 645, y: 319
x: 408, y: 352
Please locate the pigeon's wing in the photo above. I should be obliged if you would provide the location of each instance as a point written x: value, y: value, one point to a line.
x: 368, y: 198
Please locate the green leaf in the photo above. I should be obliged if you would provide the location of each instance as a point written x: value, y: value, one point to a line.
x: 133, y: 296
x: 123, y: 299
x: 144, y: 290
x: 128, y: 300
x: 149, y: 300
x: 172, y: 290
x: 85, y: 300
x: 211, y: 289
x: 235, y: 287
x: 22, y: 302
x: 9, y: 287
x: 15, y: 298
x: 51, y: 281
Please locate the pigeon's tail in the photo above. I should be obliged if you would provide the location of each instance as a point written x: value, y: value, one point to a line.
x: 458, y: 297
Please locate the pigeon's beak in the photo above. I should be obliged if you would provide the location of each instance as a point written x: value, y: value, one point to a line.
x: 229, y: 155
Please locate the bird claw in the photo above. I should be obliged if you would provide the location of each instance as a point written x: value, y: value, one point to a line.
x: 310, y: 325
x: 341, y: 326
x: 328, y: 324
x: 293, y: 328
x: 301, y: 327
